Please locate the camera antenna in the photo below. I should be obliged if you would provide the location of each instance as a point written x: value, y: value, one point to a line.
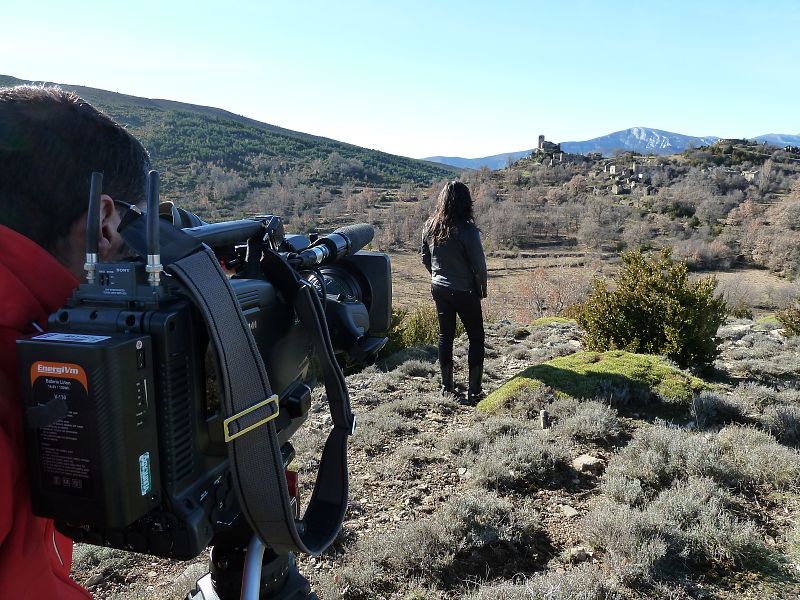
x: 93, y: 225
x: 154, y: 266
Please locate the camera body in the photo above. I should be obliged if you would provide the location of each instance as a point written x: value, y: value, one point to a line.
x: 125, y: 436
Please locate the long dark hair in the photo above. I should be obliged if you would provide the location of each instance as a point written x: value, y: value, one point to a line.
x: 453, y: 207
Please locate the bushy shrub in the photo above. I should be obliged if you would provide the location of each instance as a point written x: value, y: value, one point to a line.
x: 793, y: 542
x: 395, y: 343
x: 655, y: 458
x: 691, y: 521
x: 415, y: 328
x: 513, y: 461
x: 505, y: 453
x: 710, y: 409
x: 420, y: 326
x: 631, y: 546
x: 417, y: 368
x: 653, y: 309
x: 583, y: 582
x: 752, y: 457
x: 738, y: 457
x: 755, y: 394
x: 436, y: 548
x: 790, y: 319
x: 587, y: 421
x: 783, y: 421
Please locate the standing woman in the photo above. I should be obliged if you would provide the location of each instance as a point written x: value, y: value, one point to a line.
x: 453, y: 254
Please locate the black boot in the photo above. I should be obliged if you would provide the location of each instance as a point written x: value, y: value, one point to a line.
x: 447, y: 378
x: 474, y: 393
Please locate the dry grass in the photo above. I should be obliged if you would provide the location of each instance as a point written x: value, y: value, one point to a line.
x: 437, y: 549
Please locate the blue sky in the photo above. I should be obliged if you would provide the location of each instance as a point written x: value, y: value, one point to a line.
x: 424, y: 78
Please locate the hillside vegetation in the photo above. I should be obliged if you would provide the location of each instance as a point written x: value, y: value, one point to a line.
x: 222, y: 164
x: 733, y: 203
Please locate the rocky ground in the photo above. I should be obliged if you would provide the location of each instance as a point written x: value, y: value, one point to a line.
x: 404, y: 471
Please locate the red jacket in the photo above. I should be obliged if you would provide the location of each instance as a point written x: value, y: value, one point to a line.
x: 35, y: 559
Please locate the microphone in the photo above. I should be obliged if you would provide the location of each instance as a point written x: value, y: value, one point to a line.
x: 342, y: 242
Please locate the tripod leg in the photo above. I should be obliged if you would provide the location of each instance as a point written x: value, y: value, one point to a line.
x: 251, y: 580
x: 248, y: 577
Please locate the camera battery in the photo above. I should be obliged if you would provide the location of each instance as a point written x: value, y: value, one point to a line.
x: 91, y: 431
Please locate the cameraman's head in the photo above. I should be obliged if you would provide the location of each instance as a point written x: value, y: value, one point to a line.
x: 50, y: 142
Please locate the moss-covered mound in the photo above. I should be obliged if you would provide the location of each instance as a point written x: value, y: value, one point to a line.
x: 586, y: 374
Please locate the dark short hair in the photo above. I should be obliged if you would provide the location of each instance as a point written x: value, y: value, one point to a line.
x: 50, y: 142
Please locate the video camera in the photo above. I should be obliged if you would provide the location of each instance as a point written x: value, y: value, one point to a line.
x: 136, y: 439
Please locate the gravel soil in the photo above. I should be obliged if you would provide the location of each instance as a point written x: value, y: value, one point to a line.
x: 403, y: 473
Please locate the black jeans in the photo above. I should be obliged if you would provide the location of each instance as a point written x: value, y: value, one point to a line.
x: 467, y: 305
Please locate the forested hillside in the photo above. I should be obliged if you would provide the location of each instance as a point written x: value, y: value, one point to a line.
x: 221, y: 164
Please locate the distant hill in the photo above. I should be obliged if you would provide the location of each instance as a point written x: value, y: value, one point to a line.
x: 498, y: 161
x: 179, y: 135
x: 779, y: 139
x: 643, y: 140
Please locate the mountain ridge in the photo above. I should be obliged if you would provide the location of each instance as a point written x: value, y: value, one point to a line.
x: 644, y: 140
x: 132, y: 111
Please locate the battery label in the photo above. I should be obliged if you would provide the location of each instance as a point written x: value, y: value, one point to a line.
x: 145, y: 482
x: 72, y: 337
x: 65, y: 447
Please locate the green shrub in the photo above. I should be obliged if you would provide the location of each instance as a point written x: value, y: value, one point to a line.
x: 395, y: 343
x: 790, y: 319
x: 653, y: 309
x: 417, y: 327
x: 740, y: 310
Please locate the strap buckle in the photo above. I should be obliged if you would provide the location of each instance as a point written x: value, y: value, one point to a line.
x: 226, y: 423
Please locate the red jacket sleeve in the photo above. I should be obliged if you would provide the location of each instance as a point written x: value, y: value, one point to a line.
x: 35, y: 560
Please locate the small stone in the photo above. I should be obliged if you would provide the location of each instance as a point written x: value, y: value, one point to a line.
x: 461, y: 471
x: 94, y: 580
x: 569, y: 511
x: 587, y: 463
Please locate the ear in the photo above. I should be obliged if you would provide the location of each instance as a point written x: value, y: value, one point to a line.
x: 108, y: 238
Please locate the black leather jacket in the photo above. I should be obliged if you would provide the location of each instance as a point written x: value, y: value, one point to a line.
x: 458, y: 263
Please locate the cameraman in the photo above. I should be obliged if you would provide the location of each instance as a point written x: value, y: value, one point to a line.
x: 50, y: 142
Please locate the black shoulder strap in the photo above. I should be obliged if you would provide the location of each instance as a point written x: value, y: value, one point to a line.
x: 250, y: 407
